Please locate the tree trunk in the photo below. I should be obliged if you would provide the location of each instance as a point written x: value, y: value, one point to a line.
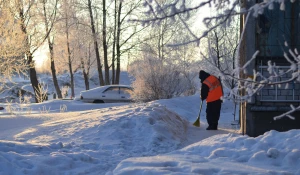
x: 88, y: 69
x: 33, y: 78
x: 86, y: 80
x: 52, y: 64
x: 105, y: 43
x: 69, y: 60
x: 118, y: 44
x: 217, y: 50
x: 70, y: 69
x: 85, y: 75
x: 32, y: 72
x: 99, y: 66
x: 53, y: 71
x: 114, y: 46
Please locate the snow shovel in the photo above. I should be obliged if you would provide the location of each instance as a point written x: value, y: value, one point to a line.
x: 197, y: 122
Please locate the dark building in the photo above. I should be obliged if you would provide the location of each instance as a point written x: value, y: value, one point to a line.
x: 272, y: 33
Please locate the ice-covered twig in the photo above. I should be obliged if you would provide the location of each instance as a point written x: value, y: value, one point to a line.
x: 170, y: 10
x: 287, y: 114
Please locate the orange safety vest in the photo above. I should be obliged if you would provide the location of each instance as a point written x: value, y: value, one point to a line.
x: 215, y: 88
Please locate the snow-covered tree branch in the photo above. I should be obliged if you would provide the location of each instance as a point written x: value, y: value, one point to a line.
x: 11, y: 47
x: 248, y: 79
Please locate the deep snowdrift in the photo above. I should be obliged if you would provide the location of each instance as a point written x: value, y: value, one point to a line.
x: 272, y: 153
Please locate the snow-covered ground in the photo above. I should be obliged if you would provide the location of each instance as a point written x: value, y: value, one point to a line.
x: 71, y: 137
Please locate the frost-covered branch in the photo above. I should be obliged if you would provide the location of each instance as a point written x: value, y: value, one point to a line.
x: 161, y: 12
x: 11, y: 48
x: 226, y: 12
x: 258, y: 81
x: 157, y: 12
x: 287, y: 114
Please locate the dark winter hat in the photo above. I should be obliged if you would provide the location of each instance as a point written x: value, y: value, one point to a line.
x: 203, y: 75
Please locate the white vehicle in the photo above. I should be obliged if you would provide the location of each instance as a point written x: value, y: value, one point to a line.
x: 107, y: 94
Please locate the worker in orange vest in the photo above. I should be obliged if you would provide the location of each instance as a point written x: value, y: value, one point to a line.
x: 212, y: 92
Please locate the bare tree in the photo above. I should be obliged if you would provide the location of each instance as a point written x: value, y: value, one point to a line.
x: 67, y: 32
x: 51, y: 43
x: 119, y: 34
x: 160, y: 75
x: 86, y: 73
x: 118, y: 48
x: 29, y: 23
x: 93, y: 28
x: 110, y: 18
x: 67, y: 42
x: 126, y: 32
x: 11, y: 47
x: 85, y: 50
x: 114, y: 42
x: 104, y: 42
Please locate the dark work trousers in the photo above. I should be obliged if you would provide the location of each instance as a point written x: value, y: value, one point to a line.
x: 213, y: 110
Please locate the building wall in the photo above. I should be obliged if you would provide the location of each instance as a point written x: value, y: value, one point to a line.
x: 275, y: 32
x: 262, y: 120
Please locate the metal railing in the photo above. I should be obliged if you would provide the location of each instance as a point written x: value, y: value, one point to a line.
x: 293, y: 97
